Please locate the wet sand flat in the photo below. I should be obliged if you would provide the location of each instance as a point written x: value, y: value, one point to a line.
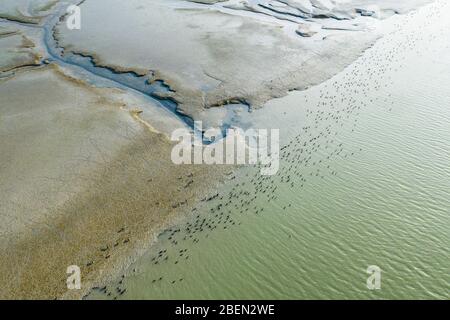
x: 83, y: 182
x: 209, y: 55
x: 86, y: 176
x: 16, y: 50
x: 27, y: 11
x: 363, y: 181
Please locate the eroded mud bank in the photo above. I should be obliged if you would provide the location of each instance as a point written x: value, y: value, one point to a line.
x: 83, y: 183
x: 229, y: 52
x: 86, y: 177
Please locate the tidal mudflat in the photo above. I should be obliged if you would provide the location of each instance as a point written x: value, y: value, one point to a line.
x: 86, y: 175
x: 227, y: 52
x: 27, y: 11
x: 80, y: 177
x: 364, y: 181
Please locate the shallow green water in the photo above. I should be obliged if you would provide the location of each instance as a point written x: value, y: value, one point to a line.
x: 367, y: 182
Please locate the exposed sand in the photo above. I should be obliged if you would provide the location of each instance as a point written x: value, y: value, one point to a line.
x: 27, y: 11
x: 227, y: 52
x: 84, y: 180
x: 76, y: 169
x: 16, y: 50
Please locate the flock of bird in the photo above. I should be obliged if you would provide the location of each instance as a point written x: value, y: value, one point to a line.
x: 311, y: 154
